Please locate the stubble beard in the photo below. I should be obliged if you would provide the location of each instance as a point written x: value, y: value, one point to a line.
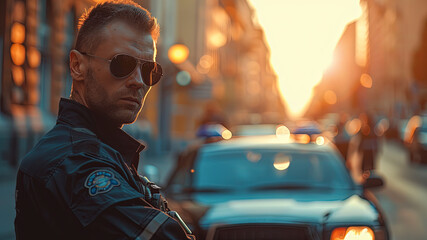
x: 104, y: 107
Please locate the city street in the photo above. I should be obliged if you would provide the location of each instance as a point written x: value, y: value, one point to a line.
x: 187, y: 73
x: 402, y: 198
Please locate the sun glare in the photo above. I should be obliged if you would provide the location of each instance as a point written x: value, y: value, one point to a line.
x: 302, y: 36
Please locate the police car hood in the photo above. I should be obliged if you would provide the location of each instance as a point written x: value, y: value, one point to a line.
x: 342, y: 206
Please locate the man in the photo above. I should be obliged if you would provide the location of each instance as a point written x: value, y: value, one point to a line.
x: 80, y: 180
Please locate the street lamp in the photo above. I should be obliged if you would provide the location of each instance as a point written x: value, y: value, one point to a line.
x: 178, y: 53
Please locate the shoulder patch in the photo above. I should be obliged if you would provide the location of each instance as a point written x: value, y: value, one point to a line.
x: 100, y: 181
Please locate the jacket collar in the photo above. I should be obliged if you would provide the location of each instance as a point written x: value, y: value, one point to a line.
x: 77, y: 115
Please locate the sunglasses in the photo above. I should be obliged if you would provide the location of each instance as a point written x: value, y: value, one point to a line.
x: 122, y: 66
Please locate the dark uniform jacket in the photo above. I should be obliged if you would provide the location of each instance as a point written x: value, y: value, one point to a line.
x: 80, y: 182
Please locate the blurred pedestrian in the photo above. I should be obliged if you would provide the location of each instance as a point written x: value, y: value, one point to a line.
x: 342, y: 139
x: 368, y: 144
x: 80, y: 181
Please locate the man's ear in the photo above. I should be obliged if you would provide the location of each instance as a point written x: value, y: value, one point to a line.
x: 78, y: 65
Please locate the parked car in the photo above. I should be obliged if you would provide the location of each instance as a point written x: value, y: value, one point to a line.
x: 415, y: 139
x: 269, y: 187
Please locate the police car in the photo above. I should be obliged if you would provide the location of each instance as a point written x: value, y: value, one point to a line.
x: 283, y: 186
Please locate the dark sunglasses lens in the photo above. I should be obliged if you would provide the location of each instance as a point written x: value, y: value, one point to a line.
x: 151, y: 73
x: 122, y: 65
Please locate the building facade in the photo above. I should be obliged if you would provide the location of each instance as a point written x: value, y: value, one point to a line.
x: 382, y: 46
x: 227, y: 67
x: 36, y: 37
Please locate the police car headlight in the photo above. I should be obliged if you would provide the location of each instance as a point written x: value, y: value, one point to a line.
x: 353, y: 233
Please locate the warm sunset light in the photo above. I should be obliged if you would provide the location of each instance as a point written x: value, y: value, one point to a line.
x: 302, y: 36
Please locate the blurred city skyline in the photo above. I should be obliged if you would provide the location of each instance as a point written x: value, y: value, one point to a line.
x: 302, y: 36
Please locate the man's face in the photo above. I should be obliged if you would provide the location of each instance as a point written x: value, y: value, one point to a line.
x: 118, y: 100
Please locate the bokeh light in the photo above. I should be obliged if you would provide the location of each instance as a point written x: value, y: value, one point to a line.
x: 226, y: 134
x: 17, y: 52
x: 183, y: 78
x: 34, y: 57
x: 320, y: 140
x: 281, y: 162
x: 366, y: 80
x: 330, y: 97
x: 17, y: 33
x: 353, y: 126
x: 283, y: 132
x: 18, y: 75
x: 178, y: 53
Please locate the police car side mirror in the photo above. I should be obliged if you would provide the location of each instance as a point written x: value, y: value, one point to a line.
x: 373, y: 181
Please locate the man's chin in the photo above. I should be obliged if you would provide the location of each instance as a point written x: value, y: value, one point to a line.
x: 129, y: 122
x: 127, y: 118
x: 118, y: 118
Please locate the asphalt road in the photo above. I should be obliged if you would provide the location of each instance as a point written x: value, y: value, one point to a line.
x: 404, y: 197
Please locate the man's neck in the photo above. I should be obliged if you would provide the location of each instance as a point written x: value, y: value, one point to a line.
x: 77, y: 96
x: 104, y: 121
x: 100, y: 118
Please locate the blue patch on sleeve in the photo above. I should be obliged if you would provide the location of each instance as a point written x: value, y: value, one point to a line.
x: 100, y: 181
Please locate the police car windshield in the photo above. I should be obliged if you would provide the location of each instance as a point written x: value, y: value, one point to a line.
x: 269, y: 169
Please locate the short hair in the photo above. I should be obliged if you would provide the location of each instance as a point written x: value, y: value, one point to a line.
x: 92, y: 21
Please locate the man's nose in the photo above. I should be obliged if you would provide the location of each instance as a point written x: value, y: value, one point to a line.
x: 135, y: 79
